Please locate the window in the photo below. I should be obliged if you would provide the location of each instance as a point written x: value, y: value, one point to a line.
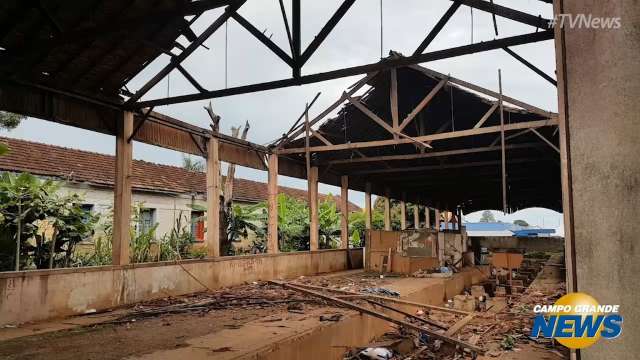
x: 197, y: 225
x: 147, y: 220
x: 88, y: 209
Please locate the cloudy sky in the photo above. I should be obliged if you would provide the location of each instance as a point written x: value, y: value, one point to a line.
x: 354, y: 41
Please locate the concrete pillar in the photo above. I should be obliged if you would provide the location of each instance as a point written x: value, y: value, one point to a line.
x: 272, y: 227
x: 313, y: 208
x: 416, y: 217
x: 213, y: 198
x: 367, y: 206
x: 427, y: 215
x: 344, y: 212
x: 403, y: 213
x: 387, y: 210
x: 599, y: 145
x: 122, y: 191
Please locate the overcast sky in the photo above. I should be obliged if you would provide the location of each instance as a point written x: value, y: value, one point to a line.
x: 354, y: 41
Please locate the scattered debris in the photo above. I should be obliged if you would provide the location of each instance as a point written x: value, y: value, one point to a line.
x: 377, y: 353
x: 381, y: 291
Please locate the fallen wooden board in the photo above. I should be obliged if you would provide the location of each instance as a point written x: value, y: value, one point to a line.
x: 459, y: 325
x: 386, y: 298
x: 428, y: 321
x: 379, y: 315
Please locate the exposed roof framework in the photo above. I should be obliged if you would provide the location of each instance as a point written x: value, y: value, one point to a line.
x: 437, y: 138
x: 93, y: 48
x: 70, y: 62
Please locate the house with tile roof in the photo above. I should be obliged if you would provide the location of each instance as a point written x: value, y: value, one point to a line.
x: 167, y: 193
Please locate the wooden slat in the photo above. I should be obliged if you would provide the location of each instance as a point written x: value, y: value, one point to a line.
x: 486, y: 116
x: 393, y: 98
x: 425, y: 138
x: 546, y: 140
x: 459, y: 325
x: 422, y: 104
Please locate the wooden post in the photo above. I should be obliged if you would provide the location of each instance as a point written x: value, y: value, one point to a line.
x: 393, y: 94
x: 416, y: 217
x: 367, y: 206
x: 502, y: 149
x: 313, y: 208
x: 427, y: 220
x: 122, y: 193
x: 403, y: 213
x: 344, y: 212
x: 213, y: 198
x: 387, y: 210
x: 272, y: 229
x: 437, y: 219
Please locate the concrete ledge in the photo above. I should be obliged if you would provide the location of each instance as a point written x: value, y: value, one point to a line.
x: 27, y: 296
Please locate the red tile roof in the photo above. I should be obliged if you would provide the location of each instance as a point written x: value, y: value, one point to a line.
x: 99, y: 169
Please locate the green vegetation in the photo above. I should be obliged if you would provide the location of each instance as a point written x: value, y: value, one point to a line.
x: 39, y: 226
x: 520, y: 223
x: 487, y: 216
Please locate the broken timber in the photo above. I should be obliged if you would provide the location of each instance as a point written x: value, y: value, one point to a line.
x: 382, y: 316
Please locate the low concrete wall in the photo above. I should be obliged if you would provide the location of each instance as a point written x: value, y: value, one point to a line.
x: 42, y: 294
x: 511, y: 242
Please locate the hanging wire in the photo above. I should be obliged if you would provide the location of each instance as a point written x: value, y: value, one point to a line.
x: 453, y: 121
x: 226, y: 56
x: 381, y: 31
x: 470, y: 8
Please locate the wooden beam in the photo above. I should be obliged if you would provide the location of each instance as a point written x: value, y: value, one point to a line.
x: 193, y: 46
x: 442, y: 167
x: 382, y: 316
x: 430, y: 154
x: 367, y: 206
x: 297, y: 38
x: 313, y: 209
x: 546, y: 140
x: 424, y: 138
x: 122, y: 192
x: 263, y: 38
x: 344, y: 212
x: 326, y: 30
x: 437, y: 28
x: 531, y: 66
x: 213, y: 198
x: 508, y: 13
x: 486, y: 116
x: 360, y: 106
x: 393, y: 98
x: 422, y: 104
x: 437, y: 219
x: 328, y: 110
x: 480, y: 89
x: 416, y: 217
x: 272, y: 227
x: 387, y: 209
x: 459, y: 325
x: 320, y: 137
x: 354, y: 70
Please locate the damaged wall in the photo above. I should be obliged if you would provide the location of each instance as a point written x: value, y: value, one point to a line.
x: 42, y: 294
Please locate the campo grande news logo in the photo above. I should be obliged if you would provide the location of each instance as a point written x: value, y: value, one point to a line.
x: 577, y: 321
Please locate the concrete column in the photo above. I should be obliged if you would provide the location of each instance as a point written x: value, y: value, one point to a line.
x: 213, y: 198
x: 367, y: 206
x: 387, y: 210
x: 272, y: 227
x: 403, y: 213
x: 122, y: 191
x: 427, y: 216
x: 313, y: 208
x: 344, y: 212
x: 599, y: 136
x: 416, y: 217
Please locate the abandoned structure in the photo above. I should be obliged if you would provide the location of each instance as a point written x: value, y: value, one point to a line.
x: 422, y: 137
x: 165, y: 192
